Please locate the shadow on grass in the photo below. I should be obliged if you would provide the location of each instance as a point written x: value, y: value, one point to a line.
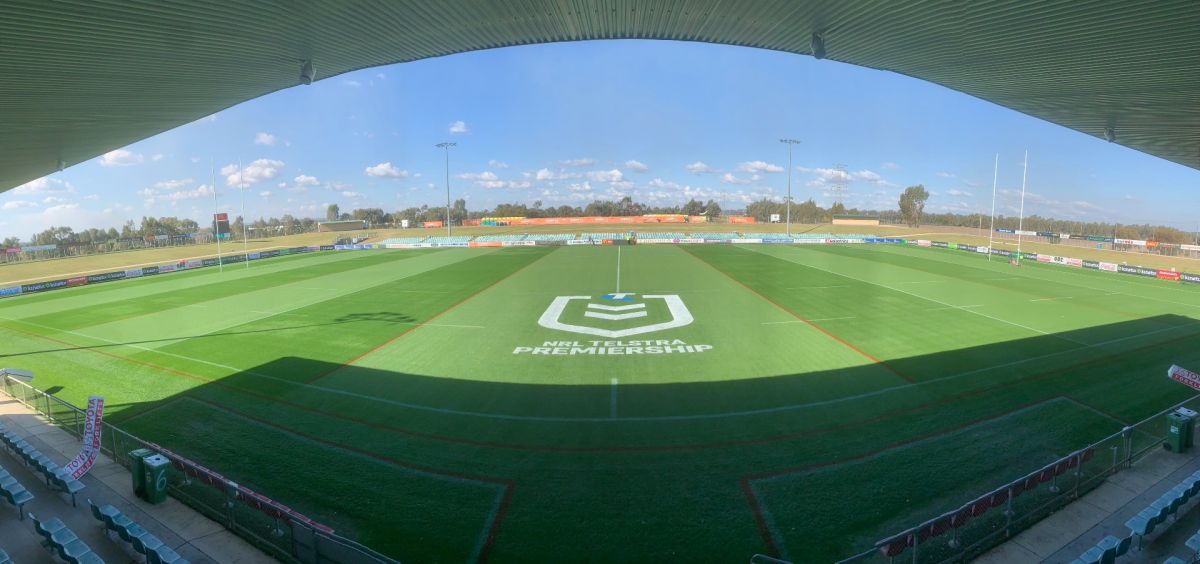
x: 558, y: 442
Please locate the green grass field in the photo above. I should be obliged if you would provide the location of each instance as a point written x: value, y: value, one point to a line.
x: 821, y: 397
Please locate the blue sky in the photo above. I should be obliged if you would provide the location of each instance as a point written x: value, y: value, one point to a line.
x: 568, y: 123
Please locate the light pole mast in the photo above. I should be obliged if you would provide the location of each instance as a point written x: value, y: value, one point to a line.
x: 446, y: 145
x: 789, y: 143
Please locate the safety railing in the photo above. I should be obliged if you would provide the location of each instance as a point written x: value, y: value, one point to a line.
x: 272, y: 527
x: 986, y: 520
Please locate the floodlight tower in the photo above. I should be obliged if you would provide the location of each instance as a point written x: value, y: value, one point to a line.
x: 446, y: 145
x: 789, y: 143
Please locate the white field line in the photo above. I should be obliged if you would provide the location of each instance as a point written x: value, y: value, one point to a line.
x: 128, y: 266
x: 1053, y: 299
x: 917, y: 281
x: 618, y: 269
x: 743, y: 413
x: 968, y: 310
x: 818, y: 287
x: 612, y: 401
x: 954, y: 307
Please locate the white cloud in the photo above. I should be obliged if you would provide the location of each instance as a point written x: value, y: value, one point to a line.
x: 947, y: 175
x: 957, y: 193
x: 380, y: 75
x: 386, y: 170
x: 18, y: 204
x: 586, y: 161
x: 92, y: 197
x: 355, y: 195
x: 121, y: 157
x: 264, y: 138
x: 636, y: 166
x: 729, y: 178
x: 172, y: 184
x: 613, y: 175
x: 459, y: 126
x: 253, y: 173
x: 497, y: 164
x: 868, y: 176
x: 45, y: 185
x: 485, y: 175
x: 759, y: 166
x: 352, y: 83
x: 306, y: 180
x: 265, y: 194
x: 53, y: 200
x: 699, y: 167
x: 158, y: 157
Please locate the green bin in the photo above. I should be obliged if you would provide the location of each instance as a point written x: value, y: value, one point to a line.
x: 155, y: 473
x: 1189, y: 426
x: 1177, y: 432
x: 137, y: 470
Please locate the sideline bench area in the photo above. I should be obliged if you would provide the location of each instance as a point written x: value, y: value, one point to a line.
x: 182, y: 534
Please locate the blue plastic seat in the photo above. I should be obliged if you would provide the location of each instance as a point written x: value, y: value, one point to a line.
x: 130, y: 532
x: 1193, y: 542
x: 164, y: 555
x: 1092, y: 556
x: 146, y: 543
x: 71, y: 551
x: 1173, y: 560
x: 89, y: 558
x: 1119, y: 546
x: 4, y: 559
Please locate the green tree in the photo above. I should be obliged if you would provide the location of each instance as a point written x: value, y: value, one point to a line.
x: 712, y: 210
x: 912, y: 204
x: 332, y: 212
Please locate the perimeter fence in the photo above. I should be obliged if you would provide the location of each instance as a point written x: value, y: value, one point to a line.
x: 270, y: 526
x: 984, y: 521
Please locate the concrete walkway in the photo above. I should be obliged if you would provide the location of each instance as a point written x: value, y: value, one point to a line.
x: 192, y: 535
x: 1065, y: 535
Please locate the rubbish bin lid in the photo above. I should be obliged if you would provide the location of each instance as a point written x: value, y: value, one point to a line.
x: 156, y: 460
x: 1187, y: 412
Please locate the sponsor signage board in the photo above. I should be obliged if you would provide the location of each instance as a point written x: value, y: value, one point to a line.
x: 1147, y: 272
x: 13, y: 291
x: 133, y: 273
x: 210, y: 262
x: 1009, y: 231
x: 1126, y: 269
x: 1077, y: 263
x: 95, y: 278
x: 150, y: 270
x: 35, y: 248
x: 938, y: 244
x: 43, y: 286
x: 983, y: 250
x: 1190, y: 247
x: 82, y: 462
x: 1188, y: 277
x: 1167, y: 275
x: 1091, y: 264
x: 1184, y: 376
x: 77, y: 281
x: 745, y: 241
x: 1108, y: 266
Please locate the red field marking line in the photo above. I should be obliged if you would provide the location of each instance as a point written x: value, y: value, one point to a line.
x: 427, y: 321
x: 861, y: 352
x: 505, y: 484
x: 653, y: 448
x: 755, y: 505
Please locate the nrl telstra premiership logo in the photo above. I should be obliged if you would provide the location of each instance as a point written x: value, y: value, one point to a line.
x: 606, y: 315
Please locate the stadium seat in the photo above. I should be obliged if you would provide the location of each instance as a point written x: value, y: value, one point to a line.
x: 89, y: 558
x: 164, y: 555
x: 17, y: 496
x: 1118, y: 546
x: 73, y: 550
x: 66, y: 483
x: 1174, y: 560
x: 1193, y: 542
x: 146, y: 543
x: 1092, y: 556
x: 4, y: 559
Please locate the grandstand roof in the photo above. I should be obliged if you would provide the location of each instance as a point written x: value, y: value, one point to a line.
x: 80, y: 78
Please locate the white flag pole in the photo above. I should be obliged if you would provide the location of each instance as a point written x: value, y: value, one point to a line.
x: 992, y: 225
x: 245, y: 239
x: 216, y: 231
x: 1021, y: 221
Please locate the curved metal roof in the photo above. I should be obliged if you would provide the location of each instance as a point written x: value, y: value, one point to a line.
x: 82, y: 77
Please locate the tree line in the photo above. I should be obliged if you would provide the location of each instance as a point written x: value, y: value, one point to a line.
x: 910, y: 211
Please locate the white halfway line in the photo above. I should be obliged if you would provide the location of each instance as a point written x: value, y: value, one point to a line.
x: 618, y: 290
x: 612, y: 403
